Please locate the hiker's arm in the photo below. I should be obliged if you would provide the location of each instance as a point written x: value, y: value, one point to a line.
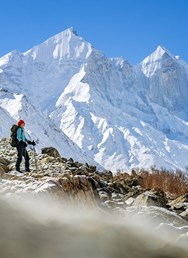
x: 19, y: 132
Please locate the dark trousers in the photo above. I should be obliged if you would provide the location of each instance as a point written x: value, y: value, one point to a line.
x: 22, y: 152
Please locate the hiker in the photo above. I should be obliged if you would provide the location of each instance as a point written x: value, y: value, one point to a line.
x: 21, y: 147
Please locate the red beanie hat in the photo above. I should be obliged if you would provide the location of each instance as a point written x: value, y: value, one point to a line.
x: 20, y: 122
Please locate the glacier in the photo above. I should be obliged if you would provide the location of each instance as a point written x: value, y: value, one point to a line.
x: 95, y: 109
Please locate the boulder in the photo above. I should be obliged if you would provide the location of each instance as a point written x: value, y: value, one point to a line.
x: 151, y: 198
x: 180, y: 203
x: 51, y: 151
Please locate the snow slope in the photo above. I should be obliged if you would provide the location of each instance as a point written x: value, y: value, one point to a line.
x: 5, y: 122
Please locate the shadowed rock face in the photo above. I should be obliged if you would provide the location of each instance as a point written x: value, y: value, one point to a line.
x: 64, y: 208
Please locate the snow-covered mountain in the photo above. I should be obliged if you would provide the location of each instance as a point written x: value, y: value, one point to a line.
x: 119, y: 115
x: 39, y: 126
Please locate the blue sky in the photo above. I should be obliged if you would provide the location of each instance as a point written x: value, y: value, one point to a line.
x: 128, y: 28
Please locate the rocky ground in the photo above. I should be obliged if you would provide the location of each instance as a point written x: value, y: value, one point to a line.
x: 112, y: 194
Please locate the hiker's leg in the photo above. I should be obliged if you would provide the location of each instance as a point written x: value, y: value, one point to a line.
x: 19, y: 158
x: 26, y: 156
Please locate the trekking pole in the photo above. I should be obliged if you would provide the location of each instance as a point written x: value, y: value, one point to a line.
x: 34, y: 151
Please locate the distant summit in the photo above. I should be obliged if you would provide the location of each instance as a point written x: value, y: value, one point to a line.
x: 160, y: 53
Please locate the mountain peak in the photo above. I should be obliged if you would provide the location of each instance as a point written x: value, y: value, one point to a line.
x: 161, y: 50
x: 67, y: 34
x: 64, y: 44
x: 73, y: 31
x: 70, y: 32
x: 159, y: 53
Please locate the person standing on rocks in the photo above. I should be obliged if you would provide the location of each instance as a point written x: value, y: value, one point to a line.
x: 21, y: 147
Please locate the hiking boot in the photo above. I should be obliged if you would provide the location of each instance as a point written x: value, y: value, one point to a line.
x: 28, y: 170
x: 18, y: 170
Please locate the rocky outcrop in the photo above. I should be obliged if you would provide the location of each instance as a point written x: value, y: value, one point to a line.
x: 50, y: 173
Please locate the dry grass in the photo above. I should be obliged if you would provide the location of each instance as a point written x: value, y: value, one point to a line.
x: 175, y: 183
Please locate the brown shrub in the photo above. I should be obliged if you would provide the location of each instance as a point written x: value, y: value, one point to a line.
x: 175, y: 183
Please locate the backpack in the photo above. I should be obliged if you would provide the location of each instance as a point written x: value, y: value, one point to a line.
x: 13, y: 136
